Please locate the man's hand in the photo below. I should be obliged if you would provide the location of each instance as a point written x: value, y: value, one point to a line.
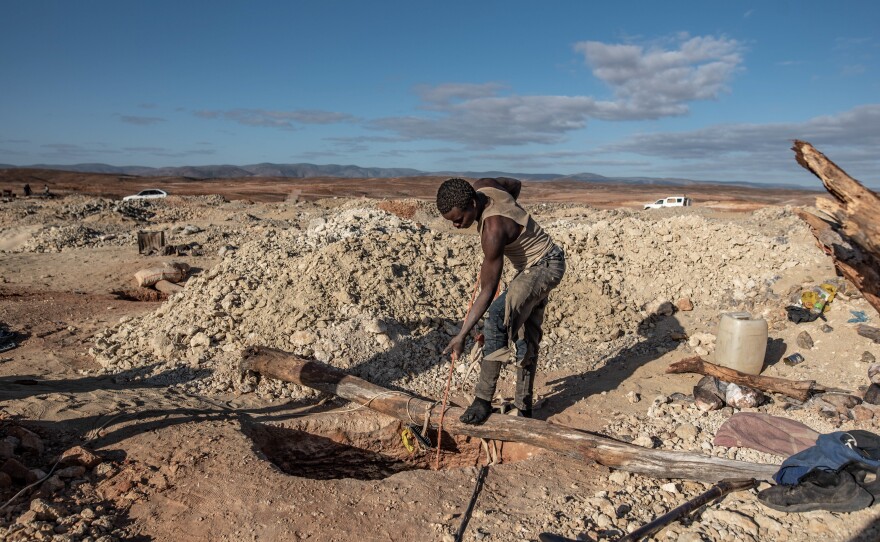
x: 455, y: 346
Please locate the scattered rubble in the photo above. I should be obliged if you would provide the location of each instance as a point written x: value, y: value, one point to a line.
x: 322, y: 291
x: 378, y: 288
x: 68, y: 499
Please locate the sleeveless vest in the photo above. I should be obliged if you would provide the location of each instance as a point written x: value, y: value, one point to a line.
x: 532, y: 243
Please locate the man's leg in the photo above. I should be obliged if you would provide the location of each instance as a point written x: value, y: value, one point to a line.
x: 495, y: 352
x: 527, y: 358
x: 510, y: 311
x: 528, y: 336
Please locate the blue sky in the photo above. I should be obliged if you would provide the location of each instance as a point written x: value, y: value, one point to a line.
x: 694, y: 89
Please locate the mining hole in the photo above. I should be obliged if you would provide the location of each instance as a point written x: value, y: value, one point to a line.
x: 140, y: 294
x: 362, y: 449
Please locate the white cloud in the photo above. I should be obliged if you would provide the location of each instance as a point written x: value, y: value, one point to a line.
x: 655, y: 83
x: 276, y: 119
x: 646, y: 84
x: 140, y: 121
x: 73, y: 150
x: 850, y: 139
x: 446, y: 94
x: 858, y: 127
x: 556, y: 161
x: 499, y: 120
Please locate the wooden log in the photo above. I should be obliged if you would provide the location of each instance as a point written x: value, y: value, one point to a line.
x: 799, y: 389
x: 564, y: 440
x: 860, y: 205
x: 853, y: 237
x: 849, y: 259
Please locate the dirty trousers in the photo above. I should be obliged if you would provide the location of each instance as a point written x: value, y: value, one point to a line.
x: 516, y: 315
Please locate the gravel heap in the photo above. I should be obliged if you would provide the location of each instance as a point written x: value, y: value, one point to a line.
x: 78, y: 207
x: 379, y: 295
x: 75, y: 222
x: 58, y: 238
x: 675, y: 423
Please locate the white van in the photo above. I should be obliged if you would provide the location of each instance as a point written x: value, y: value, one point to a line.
x: 151, y: 193
x: 672, y: 201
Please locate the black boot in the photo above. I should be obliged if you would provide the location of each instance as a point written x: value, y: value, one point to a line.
x: 477, y: 413
x: 525, y: 377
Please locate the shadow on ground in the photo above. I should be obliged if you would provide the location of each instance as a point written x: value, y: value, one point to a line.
x: 659, y: 335
x: 656, y: 332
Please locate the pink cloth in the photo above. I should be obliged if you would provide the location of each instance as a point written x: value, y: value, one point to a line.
x: 765, y: 433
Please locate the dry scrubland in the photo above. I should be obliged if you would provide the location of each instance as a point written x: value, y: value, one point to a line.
x: 192, y: 450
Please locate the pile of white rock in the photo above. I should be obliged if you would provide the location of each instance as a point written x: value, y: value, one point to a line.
x: 379, y: 295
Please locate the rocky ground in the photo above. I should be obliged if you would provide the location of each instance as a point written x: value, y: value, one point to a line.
x: 177, y: 444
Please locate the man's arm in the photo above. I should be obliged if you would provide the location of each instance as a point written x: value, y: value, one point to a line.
x: 511, y: 186
x: 498, y: 231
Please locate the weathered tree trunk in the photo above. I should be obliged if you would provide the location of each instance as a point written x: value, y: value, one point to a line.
x: 853, y: 238
x: 799, y: 389
x: 571, y: 442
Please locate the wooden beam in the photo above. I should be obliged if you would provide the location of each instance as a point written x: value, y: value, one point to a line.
x: 852, y: 237
x: 564, y: 440
x: 849, y: 259
x: 799, y: 389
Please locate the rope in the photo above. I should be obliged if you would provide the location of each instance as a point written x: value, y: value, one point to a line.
x: 476, y: 358
x: 491, y: 455
x: 428, y: 408
x: 449, y: 381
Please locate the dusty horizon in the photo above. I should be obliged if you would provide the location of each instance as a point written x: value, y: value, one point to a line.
x: 273, y: 189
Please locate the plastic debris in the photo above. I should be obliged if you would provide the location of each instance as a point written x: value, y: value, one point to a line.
x: 793, y: 359
x: 799, y: 314
x: 743, y: 396
x: 858, y: 317
x: 819, y: 297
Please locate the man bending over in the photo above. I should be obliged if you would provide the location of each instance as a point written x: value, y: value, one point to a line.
x: 506, y: 229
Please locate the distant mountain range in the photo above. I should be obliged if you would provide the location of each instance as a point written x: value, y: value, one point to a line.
x: 303, y: 170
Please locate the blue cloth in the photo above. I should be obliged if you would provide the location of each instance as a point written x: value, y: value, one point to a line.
x: 858, y: 317
x: 831, y: 452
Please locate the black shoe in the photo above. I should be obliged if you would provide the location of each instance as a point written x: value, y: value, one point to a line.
x: 477, y: 413
x: 866, y: 475
x: 513, y: 410
x: 818, y: 490
x: 524, y: 406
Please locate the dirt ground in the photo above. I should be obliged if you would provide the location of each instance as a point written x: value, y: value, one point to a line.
x: 237, y: 466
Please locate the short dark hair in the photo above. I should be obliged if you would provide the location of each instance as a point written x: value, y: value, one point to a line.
x: 455, y: 193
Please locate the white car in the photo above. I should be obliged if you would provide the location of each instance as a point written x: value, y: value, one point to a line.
x: 152, y: 193
x: 672, y: 201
